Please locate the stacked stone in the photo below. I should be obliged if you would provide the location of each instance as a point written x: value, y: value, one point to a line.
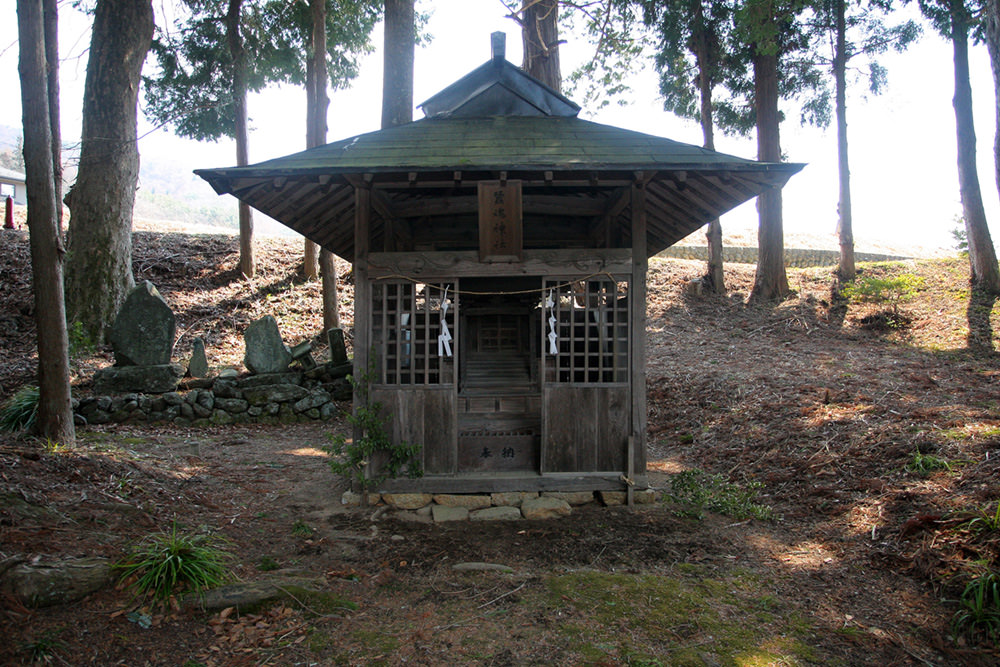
x: 794, y: 257
x: 513, y: 506
x: 269, y: 398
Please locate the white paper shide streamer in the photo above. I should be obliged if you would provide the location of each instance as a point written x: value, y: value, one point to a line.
x: 553, y: 336
x: 444, y: 338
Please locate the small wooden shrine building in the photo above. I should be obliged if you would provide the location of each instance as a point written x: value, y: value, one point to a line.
x: 500, y: 249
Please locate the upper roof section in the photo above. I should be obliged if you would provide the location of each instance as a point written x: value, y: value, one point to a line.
x: 498, y: 88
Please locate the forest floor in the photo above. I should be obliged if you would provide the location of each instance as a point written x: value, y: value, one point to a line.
x: 874, y: 445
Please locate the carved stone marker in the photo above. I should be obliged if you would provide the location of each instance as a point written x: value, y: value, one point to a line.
x: 198, y: 367
x: 265, y: 351
x: 143, y: 331
x: 338, y: 350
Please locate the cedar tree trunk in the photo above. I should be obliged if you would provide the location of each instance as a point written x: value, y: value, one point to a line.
x: 318, y: 102
x: 239, y: 55
x: 770, y: 281
x: 51, y: 17
x: 55, y: 416
x: 540, y: 35
x: 982, y: 255
x: 991, y: 27
x: 99, y: 264
x: 845, y: 229
x: 397, y: 78
x: 715, y: 277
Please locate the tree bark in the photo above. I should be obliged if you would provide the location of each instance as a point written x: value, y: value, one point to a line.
x: 238, y: 52
x: 982, y: 255
x: 540, y: 37
x: 51, y: 18
x: 398, y: 52
x: 55, y: 416
x: 318, y: 104
x: 99, y: 264
x: 991, y: 27
x: 770, y: 281
x: 715, y: 276
x: 845, y: 227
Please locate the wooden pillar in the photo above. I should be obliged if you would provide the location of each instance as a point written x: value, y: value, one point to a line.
x: 362, y: 285
x: 637, y: 317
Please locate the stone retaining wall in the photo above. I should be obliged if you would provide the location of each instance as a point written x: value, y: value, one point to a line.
x: 270, y: 398
x: 441, y: 508
x: 794, y: 257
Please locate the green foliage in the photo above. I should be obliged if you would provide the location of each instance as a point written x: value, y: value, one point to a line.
x: 267, y: 564
x: 979, y: 615
x: 883, y: 290
x: 925, y: 464
x: 699, y: 491
x: 80, y: 342
x: 302, y: 529
x: 164, y: 561
x: 43, y: 648
x: 351, y: 458
x: 14, y: 158
x: 984, y: 521
x: 192, y: 89
x: 20, y: 410
x: 961, y: 238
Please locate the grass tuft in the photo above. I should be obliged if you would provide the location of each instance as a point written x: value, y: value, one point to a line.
x: 165, y: 561
x: 20, y: 410
x: 924, y: 464
x: 979, y: 615
x: 698, y: 491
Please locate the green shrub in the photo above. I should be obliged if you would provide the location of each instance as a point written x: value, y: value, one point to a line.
x: 165, y: 561
x: 20, y: 410
x: 699, y: 491
x: 889, y: 290
x: 80, y: 342
x: 961, y: 237
x: 350, y: 458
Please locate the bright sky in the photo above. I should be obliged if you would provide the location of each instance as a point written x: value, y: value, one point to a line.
x: 902, y: 143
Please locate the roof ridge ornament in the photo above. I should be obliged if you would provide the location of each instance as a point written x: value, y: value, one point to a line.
x: 498, y: 47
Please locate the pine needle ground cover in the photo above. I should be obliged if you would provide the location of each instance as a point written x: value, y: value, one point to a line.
x: 867, y: 558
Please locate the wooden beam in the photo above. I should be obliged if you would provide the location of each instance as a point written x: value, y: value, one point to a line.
x: 447, y: 265
x: 637, y: 320
x: 362, y: 287
x: 613, y: 207
x: 469, y: 205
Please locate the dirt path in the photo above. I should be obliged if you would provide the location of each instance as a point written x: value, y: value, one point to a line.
x: 840, y: 424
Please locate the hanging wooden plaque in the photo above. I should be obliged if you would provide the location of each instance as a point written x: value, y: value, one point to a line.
x: 501, y: 236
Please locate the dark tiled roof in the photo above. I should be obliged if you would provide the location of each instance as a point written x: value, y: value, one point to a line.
x: 497, y: 120
x: 492, y: 143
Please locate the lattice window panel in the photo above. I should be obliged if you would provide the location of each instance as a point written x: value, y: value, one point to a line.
x: 406, y: 324
x: 592, y: 329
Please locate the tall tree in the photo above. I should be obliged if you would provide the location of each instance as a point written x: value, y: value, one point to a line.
x: 197, y: 88
x: 856, y: 29
x: 953, y: 19
x: 51, y: 18
x: 991, y: 33
x: 238, y: 54
x: 99, y: 263
x: 539, y: 21
x: 316, y: 109
x: 397, y: 72
x: 690, y: 58
x: 770, y: 36
x: 55, y: 416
